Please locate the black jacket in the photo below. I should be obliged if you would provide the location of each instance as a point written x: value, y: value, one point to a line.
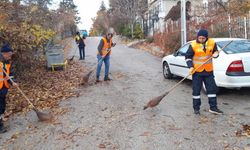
x: 80, y: 42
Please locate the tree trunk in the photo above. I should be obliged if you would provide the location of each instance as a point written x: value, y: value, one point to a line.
x: 132, y: 30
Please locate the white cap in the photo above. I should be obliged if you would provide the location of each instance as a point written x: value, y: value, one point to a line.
x: 111, y: 31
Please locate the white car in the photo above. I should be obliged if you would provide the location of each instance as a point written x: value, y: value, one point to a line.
x: 231, y: 68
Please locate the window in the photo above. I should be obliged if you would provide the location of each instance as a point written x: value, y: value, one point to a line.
x: 182, y: 51
x: 238, y: 46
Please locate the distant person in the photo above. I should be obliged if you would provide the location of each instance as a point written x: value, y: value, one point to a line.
x: 103, y: 54
x: 198, y: 53
x: 80, y: 40
x: 5, y: 82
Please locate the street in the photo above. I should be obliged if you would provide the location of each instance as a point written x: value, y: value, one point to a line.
x: 110, y: 114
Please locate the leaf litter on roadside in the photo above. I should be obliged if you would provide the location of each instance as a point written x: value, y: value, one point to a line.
x: 43, y: 87
x: 245, y: 131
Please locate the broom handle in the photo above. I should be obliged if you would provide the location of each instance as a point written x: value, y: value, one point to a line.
x: 172, y: 88
x: 100, y: 60
x: 19, y: 89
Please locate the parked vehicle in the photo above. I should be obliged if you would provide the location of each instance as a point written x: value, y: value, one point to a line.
x: 84, y: 33
x: 231, y: 68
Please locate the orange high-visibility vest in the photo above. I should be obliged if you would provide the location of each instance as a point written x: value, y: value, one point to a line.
x: 3, y: 81
x: 201, y: 56
x: 106, y: 46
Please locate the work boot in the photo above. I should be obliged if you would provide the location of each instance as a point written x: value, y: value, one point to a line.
x: 215, y: 111
x: 97, y: 80
x: 197, y: 112
x: 2, y: 128
x: 107, y: 79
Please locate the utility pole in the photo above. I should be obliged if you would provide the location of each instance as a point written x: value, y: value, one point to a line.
x: 229, y: 26
x: 245, y: 26
x: 183, y: 23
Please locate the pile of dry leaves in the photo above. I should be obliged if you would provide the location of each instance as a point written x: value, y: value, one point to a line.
x: 245, y: 131
x: 43, y: 87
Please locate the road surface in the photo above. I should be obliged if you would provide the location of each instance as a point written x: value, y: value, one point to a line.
x: 109, y: 115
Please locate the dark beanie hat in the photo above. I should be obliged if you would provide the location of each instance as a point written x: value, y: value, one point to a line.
x: 6, y: 48
x: 203, y: 32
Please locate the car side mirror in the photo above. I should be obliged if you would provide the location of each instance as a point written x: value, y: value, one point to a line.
x: 176, y: 53
x: 183, y: 54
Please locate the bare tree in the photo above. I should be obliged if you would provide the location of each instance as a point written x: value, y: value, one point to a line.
x: 128, y: 10
x: 101, y: 22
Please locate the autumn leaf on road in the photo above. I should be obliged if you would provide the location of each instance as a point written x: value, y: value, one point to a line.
x: 243, y: 132
x: 101, y: 146
x: 146, y: 134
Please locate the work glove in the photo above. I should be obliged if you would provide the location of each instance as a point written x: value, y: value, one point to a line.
x: 216, y: 54
x: 191, y: 70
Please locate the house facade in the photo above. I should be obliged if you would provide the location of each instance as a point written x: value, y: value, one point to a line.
x: 156, y: 17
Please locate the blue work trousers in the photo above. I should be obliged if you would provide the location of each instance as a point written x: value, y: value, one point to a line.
x: 106, y: 61
x: 3, y: 93
x: 82, y: 52
x: 208, y: 78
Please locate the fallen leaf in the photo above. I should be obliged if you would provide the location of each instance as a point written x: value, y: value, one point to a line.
x: 45, y: 89
x: 102, y: 146
x: 146, y: 134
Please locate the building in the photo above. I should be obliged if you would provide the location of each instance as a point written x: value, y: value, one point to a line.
x: 157, y: 10
x: 160, y: 12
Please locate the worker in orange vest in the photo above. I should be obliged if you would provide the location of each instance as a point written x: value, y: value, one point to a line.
x: 103, y: 55
x: 5, y: 68
x: 198, y: 53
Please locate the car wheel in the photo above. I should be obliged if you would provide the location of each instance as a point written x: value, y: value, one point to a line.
x: 166, y: 71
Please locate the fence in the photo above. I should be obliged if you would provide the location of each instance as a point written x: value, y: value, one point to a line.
x: 239, y: 27
x: 234, y: 27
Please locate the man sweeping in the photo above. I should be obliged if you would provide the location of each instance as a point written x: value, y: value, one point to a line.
x: 198, y: 53
x: 5, y: 74
x: 103, y: 54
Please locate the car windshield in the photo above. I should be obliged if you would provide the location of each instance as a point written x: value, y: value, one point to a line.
x: 237, y: 46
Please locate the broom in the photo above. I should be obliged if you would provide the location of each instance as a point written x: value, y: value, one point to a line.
x: 41, y: 115
x: 85, y: 78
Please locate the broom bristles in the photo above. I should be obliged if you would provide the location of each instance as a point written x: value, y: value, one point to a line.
x: 155, y: 101
x: 43, y: 116
x: 85, y: 78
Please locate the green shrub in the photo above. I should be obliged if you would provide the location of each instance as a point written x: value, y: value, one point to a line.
x: 126, y: 31
x: 138, y: 33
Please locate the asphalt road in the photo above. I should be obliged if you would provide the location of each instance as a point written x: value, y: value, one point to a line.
x: 109, y: 114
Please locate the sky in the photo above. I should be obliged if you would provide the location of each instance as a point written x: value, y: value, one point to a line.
x: 87, y: 10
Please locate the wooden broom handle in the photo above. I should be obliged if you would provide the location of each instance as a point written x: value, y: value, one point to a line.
x: 172, y: 88
x: 19, y: 89
x: 100, y: 60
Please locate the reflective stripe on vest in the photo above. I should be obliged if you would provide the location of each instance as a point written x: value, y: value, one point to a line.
x: 106, y: 46
x: 3, y: 81
x: 200, y: 57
